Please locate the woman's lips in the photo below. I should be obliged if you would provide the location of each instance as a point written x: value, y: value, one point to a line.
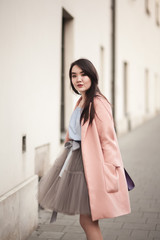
x: 80, y: 85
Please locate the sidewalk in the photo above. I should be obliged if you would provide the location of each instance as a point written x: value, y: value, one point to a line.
x: 141, y: 156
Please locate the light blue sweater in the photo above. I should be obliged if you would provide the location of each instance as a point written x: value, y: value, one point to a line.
x: 74, y: 125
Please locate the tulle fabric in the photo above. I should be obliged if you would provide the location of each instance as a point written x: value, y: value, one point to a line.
x: 66, y: 194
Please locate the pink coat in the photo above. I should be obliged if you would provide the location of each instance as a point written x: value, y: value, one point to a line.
x: 103, y: 166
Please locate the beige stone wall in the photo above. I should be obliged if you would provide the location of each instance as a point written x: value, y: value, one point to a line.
x: 19, y: 211
x: 30, y: 80
x: 137, y: 39
x: 30, y: 84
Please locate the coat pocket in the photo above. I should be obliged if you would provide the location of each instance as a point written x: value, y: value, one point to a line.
x: 111, y: 177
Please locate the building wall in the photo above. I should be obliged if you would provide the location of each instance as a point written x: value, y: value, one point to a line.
x: 19, y: 211
x: 30, y: 62
x: 29, y: 105
x: 91, y: 33
x: 30, y: 84
x: 137, y: 40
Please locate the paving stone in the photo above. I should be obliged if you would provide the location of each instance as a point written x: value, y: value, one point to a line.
x: 34, y: 238
x: 134, y: 213
x: 117, y: 232
x: 76, y: 223
x: 60, y: 215
x: 139, y: 234
x: 150, y: 214
x: 74, y: 236
x: 51, y: 235
x: 140, y: 226
x: 150, y: 209
x: 109, y: 237
x: 73, y: 229
x: 35, y: 233
x: 108, y: 220
x: 73, y: 217
x: 153, y: 220
x: 64, y: 222
x: 143, y: 223
x: 132, y: 238
x: 51, y: 227
x: 131, y: 219
x: 113, y: 225
x: 155, y: 234
x: 43, y: 221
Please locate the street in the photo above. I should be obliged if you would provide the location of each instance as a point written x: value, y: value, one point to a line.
x: 141, y: 156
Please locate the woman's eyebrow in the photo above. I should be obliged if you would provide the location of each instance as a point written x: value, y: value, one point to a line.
x: 76, y: 73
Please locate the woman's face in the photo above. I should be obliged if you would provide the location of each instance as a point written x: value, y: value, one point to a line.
x: 80, y: 80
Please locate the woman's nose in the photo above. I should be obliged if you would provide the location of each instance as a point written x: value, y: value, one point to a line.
x: 79, y: 78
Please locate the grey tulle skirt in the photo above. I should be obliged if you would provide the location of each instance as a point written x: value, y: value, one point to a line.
x: 63, y: 188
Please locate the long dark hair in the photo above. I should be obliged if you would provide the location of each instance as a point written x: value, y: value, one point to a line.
x: 89, y: 69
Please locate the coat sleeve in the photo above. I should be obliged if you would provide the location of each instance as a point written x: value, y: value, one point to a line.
x: 107, y: 135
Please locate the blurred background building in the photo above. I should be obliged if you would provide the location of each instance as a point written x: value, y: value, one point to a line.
x: 39, y: 39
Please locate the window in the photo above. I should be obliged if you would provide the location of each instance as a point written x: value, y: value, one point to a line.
x: 24, y: 143
x: 62, y: 83
x: 125, y: 84
x: 146, y: 90
x: 147, y: 7
x: 157, y: 12
x: 66, y: 58
x: 101, y: 79
x: 156, y: 92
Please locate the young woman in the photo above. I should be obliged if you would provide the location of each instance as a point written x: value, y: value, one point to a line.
x: 88, y: 176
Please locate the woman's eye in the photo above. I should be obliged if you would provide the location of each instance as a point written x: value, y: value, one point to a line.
x: 83, y: 74
x: 73, y: 76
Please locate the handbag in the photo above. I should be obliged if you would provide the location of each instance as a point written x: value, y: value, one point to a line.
x: 129, y: 180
